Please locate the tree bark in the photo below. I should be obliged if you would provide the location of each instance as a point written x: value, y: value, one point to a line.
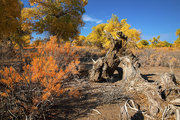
x: 104, y: 68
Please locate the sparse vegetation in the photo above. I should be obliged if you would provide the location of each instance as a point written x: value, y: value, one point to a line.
x: 109, y: 74
x: 164, y: 57
x: 30, y: 94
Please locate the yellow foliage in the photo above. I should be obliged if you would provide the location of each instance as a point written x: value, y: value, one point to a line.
x: 9, y: 11
x: 178, y: 32
x: 80, y: 40
x: 143, y: 44
x: 177, y: 42
x: 59, y: 17
x: 98, y: 37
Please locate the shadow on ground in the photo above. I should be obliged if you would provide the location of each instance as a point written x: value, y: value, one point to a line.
x: 92, y: 96
x: 73, y: 107
x: 148, y: 76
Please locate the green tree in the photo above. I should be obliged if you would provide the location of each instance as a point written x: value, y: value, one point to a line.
x: 59, y: 17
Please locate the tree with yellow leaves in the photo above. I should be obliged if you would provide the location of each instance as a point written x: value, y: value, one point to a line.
x: 80, y: 40
x: 178, y: 32
x: 155, y: 41
x: 59, y: 17
x: 11, y: 33
x: 164, y: 44
x: 177, y: 42
x: 10, y: 11
x: 10, y: 23
x: 98, y: 38
x: 143, y: 44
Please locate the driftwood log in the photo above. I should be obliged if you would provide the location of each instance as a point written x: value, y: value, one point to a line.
x: 104, y: 68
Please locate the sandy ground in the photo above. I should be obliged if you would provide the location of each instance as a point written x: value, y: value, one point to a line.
x: 112, y: 111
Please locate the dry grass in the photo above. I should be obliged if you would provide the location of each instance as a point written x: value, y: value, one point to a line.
x: 164, y: 57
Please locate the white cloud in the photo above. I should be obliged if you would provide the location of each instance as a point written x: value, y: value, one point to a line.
x: 87, y: 18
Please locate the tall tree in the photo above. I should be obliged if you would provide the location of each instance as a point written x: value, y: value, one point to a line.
x: 10, y: 11
x: 59, y: 17
x: 177, y: 42
x: 178, y: 32
x: 11, y: 32
x: 99, y: 38
x: 10, y: 23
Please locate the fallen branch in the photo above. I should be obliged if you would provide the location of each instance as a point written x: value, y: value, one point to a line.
x: 135, y: 109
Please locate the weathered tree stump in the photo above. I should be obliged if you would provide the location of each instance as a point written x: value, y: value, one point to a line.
x: 104, y: 68
x: 159, y: 99
x: 130, y: 66
x: 167, y: 86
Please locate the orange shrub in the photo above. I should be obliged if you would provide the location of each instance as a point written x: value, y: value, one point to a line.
x: 25, y: 95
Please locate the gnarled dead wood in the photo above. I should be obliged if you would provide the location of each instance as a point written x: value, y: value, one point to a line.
x: 156, y: 96
x: 104, y: 68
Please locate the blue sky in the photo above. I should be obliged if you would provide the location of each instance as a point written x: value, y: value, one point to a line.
x: 151, y: 17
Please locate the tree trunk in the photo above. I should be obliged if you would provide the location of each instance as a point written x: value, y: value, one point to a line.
x: 104, y: 68
x: 21, y: 58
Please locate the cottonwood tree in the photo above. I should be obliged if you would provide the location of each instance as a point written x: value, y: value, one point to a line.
x: 11, y: 33
x: 99, y: 38
x: 143, y: 44
x: 177, y: 42
x: 59, y: 17
x: 155, y: 41
x: 10, y: 25
x: 80, y: 40
x: 164, y: 44
x: 10, y: 11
